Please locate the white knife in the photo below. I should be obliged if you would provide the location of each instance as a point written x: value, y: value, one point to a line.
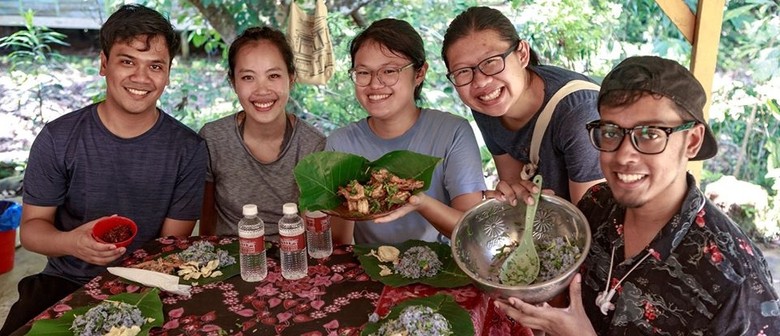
x: 166, y: 282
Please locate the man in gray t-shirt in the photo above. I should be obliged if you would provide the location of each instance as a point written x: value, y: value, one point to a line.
x: 120, y: 156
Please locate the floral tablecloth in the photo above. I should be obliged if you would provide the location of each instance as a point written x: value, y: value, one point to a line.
x: 336, y: 298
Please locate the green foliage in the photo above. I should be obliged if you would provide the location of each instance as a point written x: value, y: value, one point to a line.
x: 31, y: 47
x: 32, y: 59
x: 199, y: 92
x: 210, y: 40
x: 564, y: 43
x: 749, y: 40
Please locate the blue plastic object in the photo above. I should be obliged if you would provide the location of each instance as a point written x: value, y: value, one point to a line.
x: 11, y: 215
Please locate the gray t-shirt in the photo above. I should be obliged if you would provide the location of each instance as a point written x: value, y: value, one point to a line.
x: 435, y: 133
x: 79, y: 166
x: 241, y: 179
x: 565, y: 152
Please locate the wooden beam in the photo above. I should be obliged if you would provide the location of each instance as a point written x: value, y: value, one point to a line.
x: 681, y: 15
x: 704, y: 56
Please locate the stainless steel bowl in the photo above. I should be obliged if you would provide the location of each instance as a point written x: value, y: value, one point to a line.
x: 486, y: 228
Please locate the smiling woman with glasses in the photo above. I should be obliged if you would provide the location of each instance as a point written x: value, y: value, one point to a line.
x: 386, y: 76
x: 488, y: 67
x: 499, y: 76
x: 388, y: 69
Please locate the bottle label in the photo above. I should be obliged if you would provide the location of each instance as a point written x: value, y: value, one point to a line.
x: 292, y: 243
x: 317, y: 221
x: 251, y: 245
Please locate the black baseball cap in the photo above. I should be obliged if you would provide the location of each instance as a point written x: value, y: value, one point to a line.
x: 666, y: 78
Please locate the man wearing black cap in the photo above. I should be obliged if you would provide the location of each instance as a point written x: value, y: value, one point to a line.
x: 664, y: 260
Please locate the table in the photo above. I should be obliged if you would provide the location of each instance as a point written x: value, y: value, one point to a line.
x: 336, y: 298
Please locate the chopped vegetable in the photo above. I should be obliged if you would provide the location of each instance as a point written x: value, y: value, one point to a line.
x: 108, y: 315
x: 416, y: 320
x: 555, y: 256
x: 417, y: 262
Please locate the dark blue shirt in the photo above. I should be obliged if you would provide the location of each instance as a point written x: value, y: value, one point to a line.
x: 77, y: 165
x: 565, y: 152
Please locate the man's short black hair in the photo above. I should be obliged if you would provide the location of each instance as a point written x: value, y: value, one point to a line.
x: 134, y: 21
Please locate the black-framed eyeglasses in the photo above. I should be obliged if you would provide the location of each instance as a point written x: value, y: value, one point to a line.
x: 387, y: 76
x: 646, y: 139
x: 488, y: 67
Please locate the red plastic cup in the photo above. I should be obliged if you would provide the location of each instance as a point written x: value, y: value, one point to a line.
x: 116, y: 230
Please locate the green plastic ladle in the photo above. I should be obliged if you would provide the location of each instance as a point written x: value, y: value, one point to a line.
x: 521, y: 267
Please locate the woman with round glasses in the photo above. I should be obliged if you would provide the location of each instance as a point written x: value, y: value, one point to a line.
x: 500, y: 78
x: 388, y: 69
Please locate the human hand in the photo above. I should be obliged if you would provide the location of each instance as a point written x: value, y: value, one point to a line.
x: 571, y: 320
x: 511, y: 192
x: 86, y: 248
x: 413, y: 204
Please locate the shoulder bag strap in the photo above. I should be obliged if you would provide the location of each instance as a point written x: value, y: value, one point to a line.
x: 529, y: 169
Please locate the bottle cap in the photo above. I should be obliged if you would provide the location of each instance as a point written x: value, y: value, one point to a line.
x: 289, y: 208
x: 250, y: 210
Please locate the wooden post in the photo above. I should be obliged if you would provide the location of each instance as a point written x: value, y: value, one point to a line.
x: 703, y: 31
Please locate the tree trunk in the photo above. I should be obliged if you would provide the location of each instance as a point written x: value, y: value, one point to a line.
x: 220, y: 17
x: 745, y: 140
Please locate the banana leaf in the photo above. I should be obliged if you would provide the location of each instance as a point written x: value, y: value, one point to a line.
x: 148, y: 302
x: 228, y: 271
x: 319, y: 175
x: 449, y: 277
x: 459, y: 318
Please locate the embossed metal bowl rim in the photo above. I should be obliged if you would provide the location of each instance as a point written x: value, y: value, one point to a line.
x: 536, y: 286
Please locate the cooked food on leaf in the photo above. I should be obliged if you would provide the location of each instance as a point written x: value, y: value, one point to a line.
x: 200, y: 260
x: 416, y: 320
x: 387, y: 253
x: 110, y: 317
x: 383, y: 192
x: 418, y: 262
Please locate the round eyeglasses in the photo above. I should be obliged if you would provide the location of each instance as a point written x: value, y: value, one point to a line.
x: 646, y: 139
x: 387, y: 76
x: 488, y: 67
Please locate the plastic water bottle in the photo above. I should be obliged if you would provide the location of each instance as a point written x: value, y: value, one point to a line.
x: 318, y: 237
x: 292, y: 243
x: 251, y: 239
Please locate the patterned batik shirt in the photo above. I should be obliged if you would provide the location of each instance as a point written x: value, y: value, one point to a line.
x: 699, y: 276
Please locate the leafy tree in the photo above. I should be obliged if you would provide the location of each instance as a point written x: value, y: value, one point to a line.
x: 32, y: 60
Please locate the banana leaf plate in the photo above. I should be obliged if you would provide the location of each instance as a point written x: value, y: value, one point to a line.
x: 458, y: 318
x: 148, y: 302
x: 449, y: 277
